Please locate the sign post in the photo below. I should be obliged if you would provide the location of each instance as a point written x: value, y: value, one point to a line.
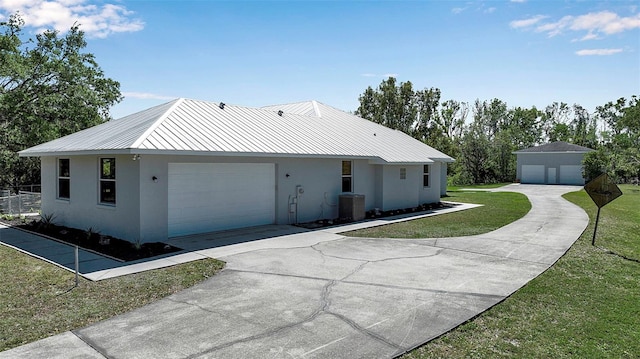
x: 602, y: 190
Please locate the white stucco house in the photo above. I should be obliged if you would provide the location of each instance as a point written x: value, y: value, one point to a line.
x: 188, y: 166
x: 552, y: 163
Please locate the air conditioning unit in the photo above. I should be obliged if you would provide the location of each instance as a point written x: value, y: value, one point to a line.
x: 351, y: 207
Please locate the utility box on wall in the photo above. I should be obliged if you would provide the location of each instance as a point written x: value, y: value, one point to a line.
x: 351, y: 207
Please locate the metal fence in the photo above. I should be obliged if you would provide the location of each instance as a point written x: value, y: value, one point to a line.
x: 23, y: 202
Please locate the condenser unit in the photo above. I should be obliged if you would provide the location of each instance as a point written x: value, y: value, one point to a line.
x: 351, y: 207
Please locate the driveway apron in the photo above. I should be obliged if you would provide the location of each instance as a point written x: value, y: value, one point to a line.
x: 339, y: 297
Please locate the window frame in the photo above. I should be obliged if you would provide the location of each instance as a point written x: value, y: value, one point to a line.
x: 403, y: 173
x: 348, y: 176
x: 105, y: 180
x: 62, y: 178
x: 426, y: 176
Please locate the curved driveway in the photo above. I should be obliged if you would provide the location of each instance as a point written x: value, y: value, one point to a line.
x: 336, y: 297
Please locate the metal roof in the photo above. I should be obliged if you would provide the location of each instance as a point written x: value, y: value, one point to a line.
x: 556, y: 147
x: 184, y: 126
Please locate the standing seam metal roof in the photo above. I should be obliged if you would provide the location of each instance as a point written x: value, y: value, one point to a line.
x: 305, y: 129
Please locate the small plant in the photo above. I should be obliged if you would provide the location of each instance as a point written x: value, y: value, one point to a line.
x: 137, y: 244
x: 47, y: 220
x: 91, y: 233
x: 7, y: 217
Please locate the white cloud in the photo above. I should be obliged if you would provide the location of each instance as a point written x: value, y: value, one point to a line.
x: 519, y: 1
x: 555, y: 28
x: 597, y: 52
x: 606, y: 22
x: 594, y: 24
x: 590, y: 36
x: 95, y: 20
x: 457, y: 10
x: 516, y: 24
x: 146, y: 96
x: 490, y: 10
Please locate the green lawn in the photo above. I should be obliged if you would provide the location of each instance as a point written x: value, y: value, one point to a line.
x: 499, y: 209
x: 476, y: 186
x: 586, y: 306
x: 35, y: 300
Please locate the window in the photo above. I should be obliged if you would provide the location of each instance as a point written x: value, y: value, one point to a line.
x: 403, y: 173
x: 425, y: 176
x: 64, y: 178
x: 108, y: 180
x: 347, y: 177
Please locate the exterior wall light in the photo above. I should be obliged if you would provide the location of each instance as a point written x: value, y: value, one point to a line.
x: 154, y: 179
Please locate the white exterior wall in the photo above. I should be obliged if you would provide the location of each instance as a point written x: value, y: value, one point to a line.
x: 83, y: 210
x: 431, y: 194
x: 320, y: 178
x: 443, y: 179
x: 141, y: 210
x: 400, y: 193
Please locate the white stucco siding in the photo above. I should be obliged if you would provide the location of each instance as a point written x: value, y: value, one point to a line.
x: 443, y: 178
x: 320, y: 179
x: 432, y: 193
x: 142, y: 208
x: 83, y: 210
x: 401, y: 193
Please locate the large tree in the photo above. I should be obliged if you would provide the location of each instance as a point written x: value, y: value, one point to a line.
x: 400, y: 107
x: 619, y: 155
x: 49, y: 88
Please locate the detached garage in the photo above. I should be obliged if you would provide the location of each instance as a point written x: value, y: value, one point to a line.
x: 553, y: 163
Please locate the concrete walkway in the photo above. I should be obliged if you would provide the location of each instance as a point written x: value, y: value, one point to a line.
x: 328, y: 296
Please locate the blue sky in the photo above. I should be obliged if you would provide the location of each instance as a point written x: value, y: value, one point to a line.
x: 526, y: 53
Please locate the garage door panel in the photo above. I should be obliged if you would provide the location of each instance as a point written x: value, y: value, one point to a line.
x: 571, y: 174
x: 208, y: 197
x: 532, y: 174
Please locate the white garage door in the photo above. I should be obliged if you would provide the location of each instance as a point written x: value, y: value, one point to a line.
x: 207, y: 197
x: 571, y: 175
x: 532, y: 174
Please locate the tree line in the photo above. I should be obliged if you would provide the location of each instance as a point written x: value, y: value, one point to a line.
x: 49, y: 88
x: 482, y: 136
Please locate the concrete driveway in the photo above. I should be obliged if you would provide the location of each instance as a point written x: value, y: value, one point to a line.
x: 324, y: 295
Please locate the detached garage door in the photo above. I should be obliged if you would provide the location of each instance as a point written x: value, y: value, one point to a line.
x: 207, y: 197
x: 532, y: 174
x: 571, y: 175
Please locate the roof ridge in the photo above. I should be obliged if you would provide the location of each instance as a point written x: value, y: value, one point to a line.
x: 316, y: 108
x: 157, y: 123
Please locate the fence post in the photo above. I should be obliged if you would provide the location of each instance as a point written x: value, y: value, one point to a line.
x: 19, y: 203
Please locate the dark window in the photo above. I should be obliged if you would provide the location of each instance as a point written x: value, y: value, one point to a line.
x: 347, y: 177
x: 425, y: 176
x: 403, y: 173
x: 108, y: 180
x: 64, y: 179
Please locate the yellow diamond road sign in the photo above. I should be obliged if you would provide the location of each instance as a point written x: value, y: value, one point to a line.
x: 602, y: 190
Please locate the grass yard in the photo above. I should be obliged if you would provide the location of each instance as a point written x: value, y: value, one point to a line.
x: 499, y: 209
x: 586, y: 306
x: 476, y: 186
x: 36, y: 302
